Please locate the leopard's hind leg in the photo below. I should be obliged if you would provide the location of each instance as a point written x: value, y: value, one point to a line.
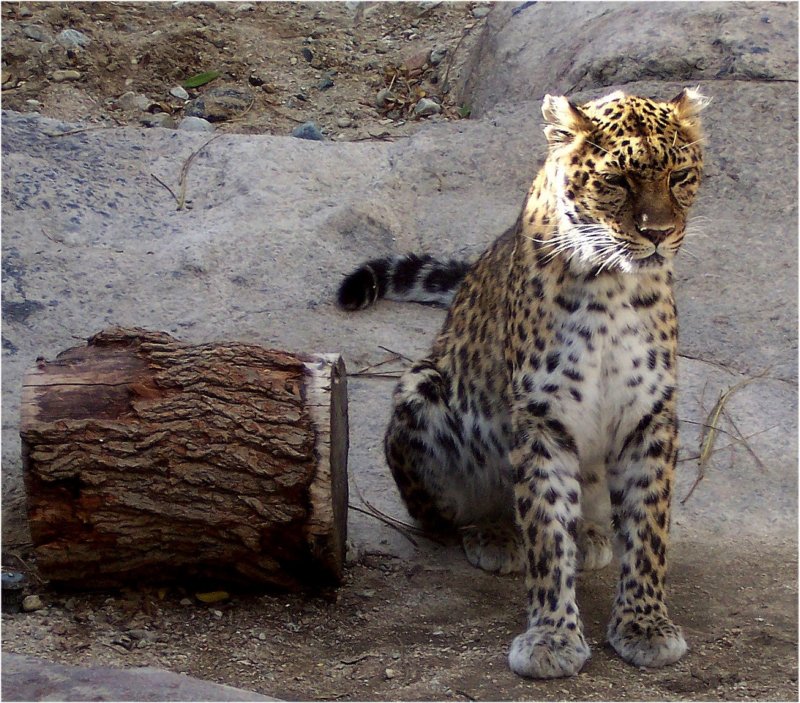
x: 451, y: 468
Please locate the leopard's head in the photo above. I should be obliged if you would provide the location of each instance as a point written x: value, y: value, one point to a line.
x: 626, y: 170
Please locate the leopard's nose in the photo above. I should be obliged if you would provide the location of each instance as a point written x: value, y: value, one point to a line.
x: 656, y: 235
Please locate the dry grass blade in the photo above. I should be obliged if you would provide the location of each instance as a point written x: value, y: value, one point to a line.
x: 171, y: 192
x: 185, y: 172
x: 711, y: 429
x: 743, y: 441
x: 396, y: 353
x: 738, y: 440
x: 707, y: 361
x: 79, y: 130
x: 369, y: 371
x: 372, y: 367
x: 402, y: 527
x: 386, y: 520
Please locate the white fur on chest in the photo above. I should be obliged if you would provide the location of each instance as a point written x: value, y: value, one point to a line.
x: 606, y: 380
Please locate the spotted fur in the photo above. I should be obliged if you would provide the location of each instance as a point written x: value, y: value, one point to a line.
x: 544, y: 419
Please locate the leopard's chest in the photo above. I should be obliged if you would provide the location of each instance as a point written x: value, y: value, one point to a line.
x: 606, y: 361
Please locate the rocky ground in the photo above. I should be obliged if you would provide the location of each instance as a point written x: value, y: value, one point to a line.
x: 355, y: 70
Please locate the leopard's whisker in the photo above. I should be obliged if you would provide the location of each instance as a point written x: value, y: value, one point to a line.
x: 696, y: 141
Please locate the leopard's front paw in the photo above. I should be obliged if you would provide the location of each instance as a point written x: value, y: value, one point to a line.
x: 651, y: 640
x: 548, y: 652
x: 491, y: 548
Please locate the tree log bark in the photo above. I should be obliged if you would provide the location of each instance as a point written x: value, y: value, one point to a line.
x: 149, y: 460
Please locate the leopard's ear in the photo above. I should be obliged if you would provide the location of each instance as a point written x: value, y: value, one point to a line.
x: 689, y: 103
x: 565, y: 120
x: 687, y: 106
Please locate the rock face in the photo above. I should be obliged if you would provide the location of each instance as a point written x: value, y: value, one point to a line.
x: 548, y: 48
x: 90, y: 239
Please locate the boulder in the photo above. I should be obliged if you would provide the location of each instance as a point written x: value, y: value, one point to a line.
x: 525, y: 52
x: 32, y: 679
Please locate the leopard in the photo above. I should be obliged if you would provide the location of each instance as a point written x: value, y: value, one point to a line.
x: 542, y: 426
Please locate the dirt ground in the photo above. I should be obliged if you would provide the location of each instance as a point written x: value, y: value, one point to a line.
x: 430, y: 628
x: 433, y: 629
x: 281, y: 54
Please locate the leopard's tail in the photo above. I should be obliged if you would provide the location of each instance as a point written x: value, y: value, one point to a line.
x: 408, y: 278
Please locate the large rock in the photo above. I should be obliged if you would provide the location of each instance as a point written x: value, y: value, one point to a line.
x: 525, y: 52
x: 31, y: 679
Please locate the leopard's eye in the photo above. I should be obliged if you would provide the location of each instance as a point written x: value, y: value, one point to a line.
x: 679, y: 176
x: 617, y: 180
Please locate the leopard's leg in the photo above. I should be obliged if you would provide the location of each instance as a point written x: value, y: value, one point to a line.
x: 452, y: 468
x: 640, y: 629
x: 547, y: 492
x: 595, y: 547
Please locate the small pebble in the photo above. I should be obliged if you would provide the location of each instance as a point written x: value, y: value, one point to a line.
x: 262, y: 636
x: 35, y: 32
x: 344, y: 122
x: 417, y: 62
x: 65, y: 75
x: 24, y: 11
x: 308, y: 55
x: 426, y: 107
x: 383, y: 97
x: 13, y: 584
x: 73, y: 39
x: 195, y: 124
x: 481, y: 11
x: 325, y: 83
x: 158, y: 119
x: 123, y: 641
x: 141, y: 634
x: 242, y: 7
x: 390, y: 673
x: 179, y: 92
x: 132, y: 101
x: 437, y: 55
x: 31, y: 603
x: 220, y: 103
x: 187, y: 601
x: 216, y: 613
x: 308, y: 130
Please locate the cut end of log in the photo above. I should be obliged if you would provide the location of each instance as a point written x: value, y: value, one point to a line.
x: 146, y: 459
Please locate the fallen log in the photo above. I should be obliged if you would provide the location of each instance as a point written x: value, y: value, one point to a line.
x: 149, y: 460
